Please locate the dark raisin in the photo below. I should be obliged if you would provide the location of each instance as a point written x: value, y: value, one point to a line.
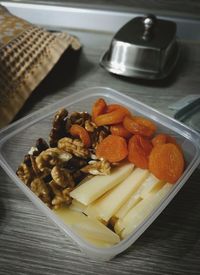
x: 78, y: 176
x: 41, y: 145
x: 59, y: 118
x: 47, y: 178
x: 76, y: 163
x: 27, y: 160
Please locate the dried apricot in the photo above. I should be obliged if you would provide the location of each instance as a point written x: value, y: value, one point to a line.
x: 112, y: 148
x: 162, y: 139
x: 119, y: 130
x: 139, y: 125
x: 98, y: 108
x: 113, y: 107
x: 78, y: 131
x: 114, y: 117
x: 139, y: 149
x: 166, y: 162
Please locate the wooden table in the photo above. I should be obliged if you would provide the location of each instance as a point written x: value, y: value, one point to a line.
x: 31, y: 244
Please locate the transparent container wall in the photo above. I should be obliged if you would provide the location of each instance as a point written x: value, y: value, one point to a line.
x: 192, y: 118
x: 27, y: 137
x: 17, y: 139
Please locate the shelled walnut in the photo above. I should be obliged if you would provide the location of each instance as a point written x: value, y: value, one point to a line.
x: 52, y: 172
x: 58, y: 131
x: 51, y: 157
x: 73, y: 146
x: 62, y: 177
x: 97, y: 167
x: 61, y: 196
x: 90, y: 126
x: 98, y: 135
x: 59, y: 118
x: 41, y: 189
x: 25, y: 173
x: 80, y: 118
x: 35, y: 168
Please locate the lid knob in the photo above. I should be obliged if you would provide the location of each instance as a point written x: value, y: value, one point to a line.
x: 149, y: 22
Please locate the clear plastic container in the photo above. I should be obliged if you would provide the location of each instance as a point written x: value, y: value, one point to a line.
x: 16, y: 140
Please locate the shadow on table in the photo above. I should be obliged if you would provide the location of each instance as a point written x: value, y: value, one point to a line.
x: 2, y: 212
x: 2, y: 205
x: 66, y: 70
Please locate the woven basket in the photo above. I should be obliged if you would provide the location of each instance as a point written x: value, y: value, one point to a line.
x: 27, y: 54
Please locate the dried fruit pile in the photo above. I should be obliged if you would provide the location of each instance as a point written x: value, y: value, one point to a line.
x: 135, y: 138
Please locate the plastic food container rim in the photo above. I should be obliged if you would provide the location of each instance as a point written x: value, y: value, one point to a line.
x: 27, y: 121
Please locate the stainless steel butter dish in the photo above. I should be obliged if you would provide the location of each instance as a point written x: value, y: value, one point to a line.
x: 145, y: 47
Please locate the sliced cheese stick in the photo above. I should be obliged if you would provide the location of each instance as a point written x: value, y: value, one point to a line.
x: 86, y: 227
x: 96, y: 230
x: 141, y: 211
x: 149, y: 183
x: 98, y: 185
x: 105, y: 207
x: 134, y: 200
x: 77, y: 206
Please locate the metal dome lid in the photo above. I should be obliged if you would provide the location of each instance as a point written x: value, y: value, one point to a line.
x: 145, y: 47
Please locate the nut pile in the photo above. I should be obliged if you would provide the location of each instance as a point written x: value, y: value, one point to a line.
x: 53, y: 170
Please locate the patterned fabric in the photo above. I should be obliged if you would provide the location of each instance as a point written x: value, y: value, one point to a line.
x: 11, y: 26
x: 27, y: 54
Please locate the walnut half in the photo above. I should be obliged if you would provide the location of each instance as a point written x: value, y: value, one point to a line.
x: 73, y: 146
x: 97, y: 167
x: 51, y: 157
x: 25, y: 173
x: 58, y: 129
x: 40, y: 188
x: 62, y: 196
x: 62, y: 177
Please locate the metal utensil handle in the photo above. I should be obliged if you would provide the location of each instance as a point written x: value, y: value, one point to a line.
x: 149, y: 22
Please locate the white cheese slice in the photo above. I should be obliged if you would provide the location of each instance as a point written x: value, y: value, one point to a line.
x: 106, y: 206
x: 149, y: 183
x: 92, y: 189
x: 142, y: 210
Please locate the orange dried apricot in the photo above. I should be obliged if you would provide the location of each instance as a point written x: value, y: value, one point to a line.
x: 98, y: 108
x: 113, y: 107
x: 139, y: 125
x: 113, y: 117
x: 162, y: 139
x: 166, y: 162
x: 139, y: 149
x: 119, y: 130
x: 112, y: 148
x: 78, y: 131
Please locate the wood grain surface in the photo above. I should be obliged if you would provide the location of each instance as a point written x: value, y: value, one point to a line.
x: 31, y: 244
